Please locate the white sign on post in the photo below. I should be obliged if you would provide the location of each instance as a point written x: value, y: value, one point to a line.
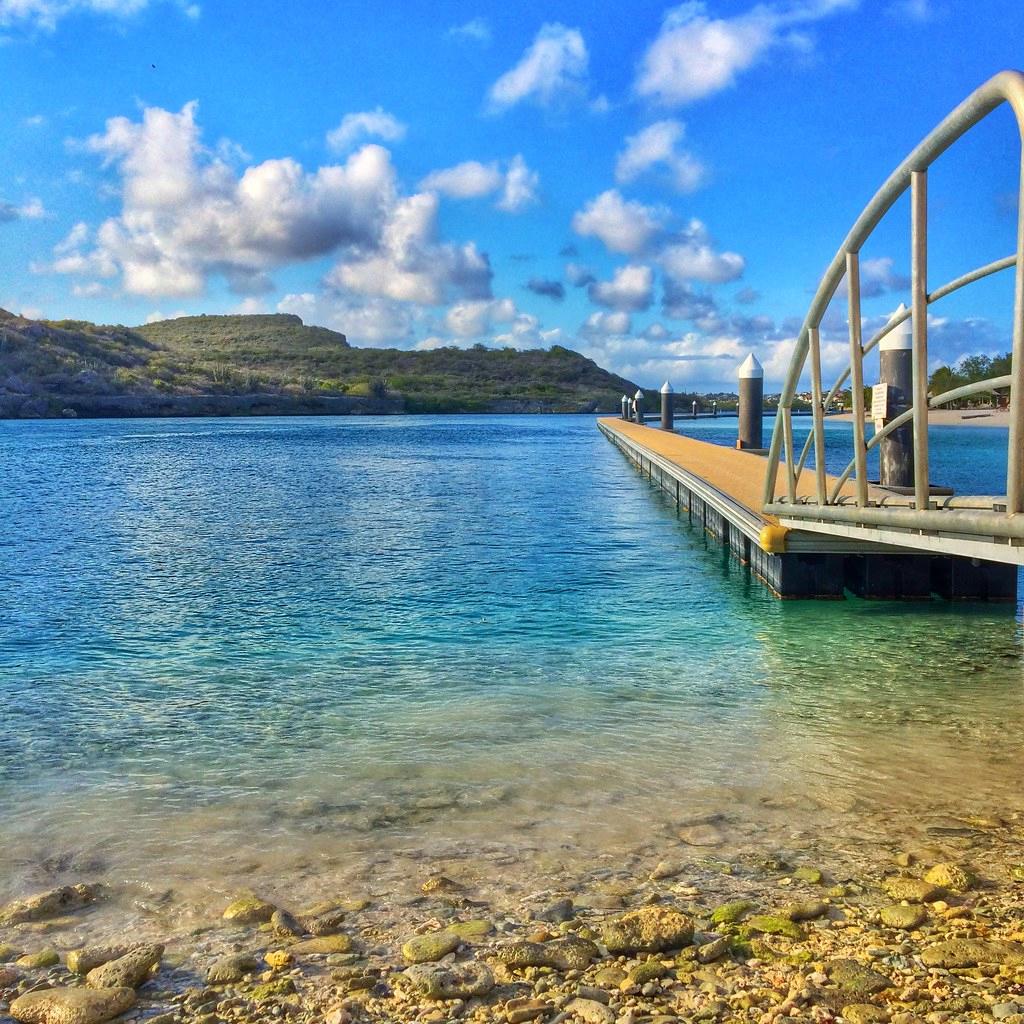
x: 880, y: 402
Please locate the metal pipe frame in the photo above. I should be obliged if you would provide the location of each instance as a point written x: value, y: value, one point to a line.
x: 1005, y: 87
x: 860, y: 456
x: 905, y: 417
x: 940, y: 293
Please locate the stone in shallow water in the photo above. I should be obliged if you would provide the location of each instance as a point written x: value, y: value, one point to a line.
x: 48, y: 904
x: 864, y: 1013
x: 971, y: 952
x: 648, y: 930
x: 232, y: 968
x: 701, y: 835
x: 130, y: 970
x: 590, y: 1011
x: 284, y: 924
x: 39, y: 961
x: 557, y: 912
x: 903, y: 916
x: 421, y: 949
x: 770, y: 924
x: 950, y: 876
x: 72, y: 1005
x: 471, y: 931
x: 807, y: 910
x: 82, y: 961
x: 806, y: 874
x: 913, y: 890
x: 730, y: 913
x: 322, y: 945
x: 855, y: 978
x: 249, y: 909
x: 455, y: 981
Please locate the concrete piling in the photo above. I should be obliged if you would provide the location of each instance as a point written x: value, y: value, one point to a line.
x: 638, y: 406
x: 666, y: 406
x: 896, y: 452
x: 625, y: 407
x: 695, y: 408
x: 751, y: 404
x: 714, y: 409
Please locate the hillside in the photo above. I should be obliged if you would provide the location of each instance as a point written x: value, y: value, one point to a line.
x: 246, y: 365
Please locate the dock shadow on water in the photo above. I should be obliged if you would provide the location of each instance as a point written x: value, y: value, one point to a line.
x: 339, y: 654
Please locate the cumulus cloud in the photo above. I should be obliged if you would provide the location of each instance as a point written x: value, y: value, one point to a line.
x: 520, y: 191
x: 31, y: 209
x: 373, y: 322
x: 365, y: 124
x: 472, y: 180
x: 188, y: 215
x: 44, y: 15
x: 877, y: 277
x: 622, y: 225
x: 468, y: 180
x: 552, y: 70
x: 657, y: 147
x: 410, y: 264
x: 550, y: 289
x: 475, y: 30
x: 631, y: 289
x: 692, y: 257
x: 600, y: 325
x: 695, y: 55
x: 578, y: 275
x: 747, y: 296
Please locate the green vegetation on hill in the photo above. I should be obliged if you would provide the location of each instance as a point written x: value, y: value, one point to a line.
x: 968, y: 370
x: 71, y: 364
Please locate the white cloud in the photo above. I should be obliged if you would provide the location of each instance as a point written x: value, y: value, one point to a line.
x: 374, y: 322
x: 188, y: 215
x: 468, y: 180
x: 578, y: 275
x: 520, y: 189
x: 623, y: 226
x: 631, y: 289
x: 368, y: 123
x: 692, y: 257
x: 656, y: 146
x: 472, y: 180
x: 410, y: 265
x: 695, y: 55
x: 606, y: 324
x: 44, y: 15
x: 475, y: 319
x: 30, y: 209
x: 476, y: 30
x: 552, y: 69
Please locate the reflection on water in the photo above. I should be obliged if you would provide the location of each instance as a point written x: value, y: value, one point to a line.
x: 289, y: 642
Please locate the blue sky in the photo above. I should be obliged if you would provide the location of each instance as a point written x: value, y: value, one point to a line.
x: 658, y: 186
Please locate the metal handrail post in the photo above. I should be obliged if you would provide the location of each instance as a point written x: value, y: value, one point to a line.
x: 857, y: 373
x: 818, y: 412
x: 919, y: 315
x: 1015, y: 451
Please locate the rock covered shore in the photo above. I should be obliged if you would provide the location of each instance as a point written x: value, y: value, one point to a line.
x: 932, y: 934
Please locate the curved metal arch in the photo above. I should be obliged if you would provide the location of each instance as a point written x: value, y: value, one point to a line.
x: 1005, y: 87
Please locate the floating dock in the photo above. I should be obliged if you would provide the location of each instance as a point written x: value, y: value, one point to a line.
x: 721, y: 489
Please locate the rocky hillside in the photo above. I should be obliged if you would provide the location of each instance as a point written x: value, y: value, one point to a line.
x: 274, y: 364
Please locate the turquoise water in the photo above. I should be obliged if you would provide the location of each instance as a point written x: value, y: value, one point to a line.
x: 236, y: 645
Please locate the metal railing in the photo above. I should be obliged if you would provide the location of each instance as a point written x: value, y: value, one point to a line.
x: 830, y: 503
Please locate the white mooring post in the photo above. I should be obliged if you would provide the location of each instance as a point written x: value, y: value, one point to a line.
x: 625, y: 407
x: 751, y: 404
x: 896, y: 356
x: 666, y: 406
x: 638, y: 406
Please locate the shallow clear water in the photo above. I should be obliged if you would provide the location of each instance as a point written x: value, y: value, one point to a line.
x: 235, y: 646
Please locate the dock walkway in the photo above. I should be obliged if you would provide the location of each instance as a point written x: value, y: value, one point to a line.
x: 721, y: 489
